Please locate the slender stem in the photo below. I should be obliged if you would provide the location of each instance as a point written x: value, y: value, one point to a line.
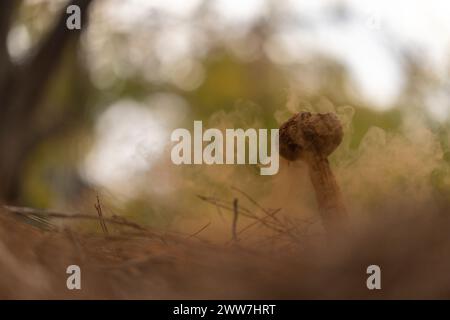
x: 235, y: 217
x: 328, y: 193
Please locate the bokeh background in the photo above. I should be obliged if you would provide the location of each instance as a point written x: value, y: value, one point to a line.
x: 91, y: 112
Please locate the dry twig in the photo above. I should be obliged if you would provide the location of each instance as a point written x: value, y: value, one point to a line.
x: 25, y: 211
x: 98, y: 207
x: 200, y: 230
x: 235, y: 217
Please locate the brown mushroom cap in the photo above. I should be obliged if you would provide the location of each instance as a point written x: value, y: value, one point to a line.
x: 305, y: 132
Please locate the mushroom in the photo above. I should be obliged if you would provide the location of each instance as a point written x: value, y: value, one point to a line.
x: 312, y: 137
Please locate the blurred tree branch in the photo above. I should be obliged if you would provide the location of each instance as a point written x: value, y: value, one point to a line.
x: 22, y: 89
x: 7, y: 10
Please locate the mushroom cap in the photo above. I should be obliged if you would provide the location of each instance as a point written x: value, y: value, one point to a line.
x: 306, y: 132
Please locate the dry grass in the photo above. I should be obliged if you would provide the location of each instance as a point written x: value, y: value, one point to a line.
x: 413, y: 251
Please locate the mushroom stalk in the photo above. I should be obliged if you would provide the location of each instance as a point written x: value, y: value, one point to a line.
x: 328, y: 194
